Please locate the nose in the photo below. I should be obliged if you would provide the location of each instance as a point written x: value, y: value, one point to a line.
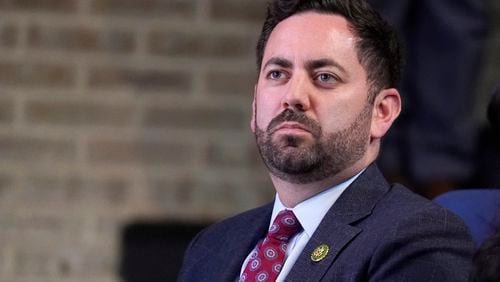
x: 297, y: 95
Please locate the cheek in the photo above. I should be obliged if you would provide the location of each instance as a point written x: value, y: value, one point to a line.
x: 337, y: 117
x: 264, y: 114
x: 266, y: 108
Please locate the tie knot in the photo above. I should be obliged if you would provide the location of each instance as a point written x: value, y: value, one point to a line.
x: 284, y: 226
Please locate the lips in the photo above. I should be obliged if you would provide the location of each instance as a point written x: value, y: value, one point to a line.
x: 291, y: 126
x: 293, y: 122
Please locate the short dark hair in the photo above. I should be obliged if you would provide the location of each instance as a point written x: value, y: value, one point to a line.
x: 378, y: 48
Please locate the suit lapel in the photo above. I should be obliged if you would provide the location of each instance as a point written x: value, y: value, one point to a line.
x: 243, y: 240
x: 337, y: 228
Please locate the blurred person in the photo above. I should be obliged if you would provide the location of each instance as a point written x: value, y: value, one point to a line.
x: 432, y: 146
x: 324, y: 98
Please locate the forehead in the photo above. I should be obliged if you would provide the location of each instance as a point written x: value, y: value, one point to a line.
x: 312, y: 35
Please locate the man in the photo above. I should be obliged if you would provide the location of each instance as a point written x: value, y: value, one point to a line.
x: 324, y: 98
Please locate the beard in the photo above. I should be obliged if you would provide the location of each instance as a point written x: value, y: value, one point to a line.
x: 295, y: 159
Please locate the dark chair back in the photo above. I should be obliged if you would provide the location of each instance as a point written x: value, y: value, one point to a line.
x: 153, y: 251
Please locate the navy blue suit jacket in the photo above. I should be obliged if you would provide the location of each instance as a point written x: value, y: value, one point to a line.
x: 376, y: 232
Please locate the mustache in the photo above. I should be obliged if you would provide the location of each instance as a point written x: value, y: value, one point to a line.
x: 299, y: 117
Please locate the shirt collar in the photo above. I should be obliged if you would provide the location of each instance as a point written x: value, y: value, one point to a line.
x: 311, y: 211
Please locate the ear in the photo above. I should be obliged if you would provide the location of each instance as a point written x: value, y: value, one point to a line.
x: 386, y: 109
x: 252, y: 120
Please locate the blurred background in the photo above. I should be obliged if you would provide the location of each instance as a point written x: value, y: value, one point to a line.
x: 122, y: 120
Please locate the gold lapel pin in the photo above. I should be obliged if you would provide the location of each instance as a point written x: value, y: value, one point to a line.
x: 320, y: 252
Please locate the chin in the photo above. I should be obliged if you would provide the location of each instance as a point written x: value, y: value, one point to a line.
x: 293, y: 141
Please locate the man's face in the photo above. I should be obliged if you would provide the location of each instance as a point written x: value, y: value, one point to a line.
x: 311, y: 112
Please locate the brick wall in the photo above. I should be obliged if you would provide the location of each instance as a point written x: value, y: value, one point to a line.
x: 113, y: 110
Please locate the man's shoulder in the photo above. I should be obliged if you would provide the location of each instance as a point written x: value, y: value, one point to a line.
x: 415, y: 228
x: 402, y: 204
x: 373, y: 198
x: 402, y: 197
x: 406, y: 237
x: 402, y: 213
x: 399, y: 198
x: 221, y: 248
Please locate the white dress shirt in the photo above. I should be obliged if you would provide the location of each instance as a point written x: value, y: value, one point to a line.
x: 309, y: 213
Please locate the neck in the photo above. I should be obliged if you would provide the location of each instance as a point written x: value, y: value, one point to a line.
x: 292, y: 194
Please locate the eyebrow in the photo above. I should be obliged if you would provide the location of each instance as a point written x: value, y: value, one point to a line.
x: 279, y: 61
x: 325, y: 62
x: 310, y: 65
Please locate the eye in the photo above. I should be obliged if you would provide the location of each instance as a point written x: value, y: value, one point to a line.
x: 326, y: 78
x: 275, y: 75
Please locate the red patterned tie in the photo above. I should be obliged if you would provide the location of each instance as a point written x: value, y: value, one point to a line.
x: 268, y: 257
